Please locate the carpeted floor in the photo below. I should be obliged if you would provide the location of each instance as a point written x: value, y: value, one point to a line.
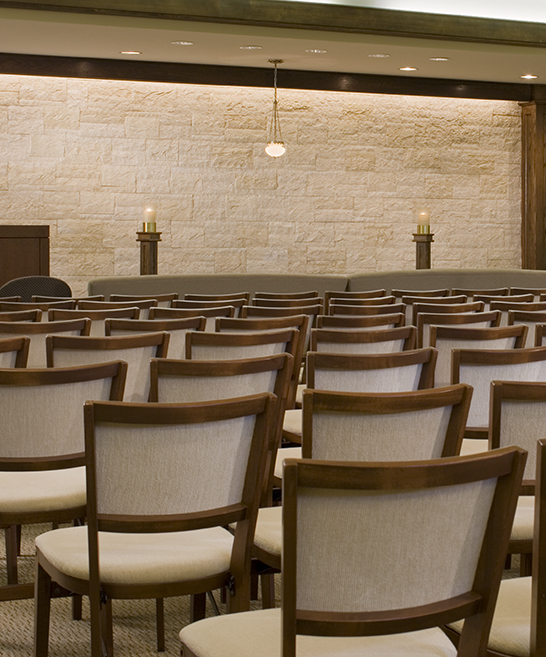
x: 134, y: 620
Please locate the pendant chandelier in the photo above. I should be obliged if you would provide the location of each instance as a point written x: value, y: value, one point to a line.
x: 275, y: 146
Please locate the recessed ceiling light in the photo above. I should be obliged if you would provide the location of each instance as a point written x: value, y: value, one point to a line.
x: 316, y: 51
x: 439, y: 59
x: 130, y: 52
x: 181, y: 43
x: 407, y: 68
x: 250, y: 47
x: 529, y: 77
x: 379, y: 55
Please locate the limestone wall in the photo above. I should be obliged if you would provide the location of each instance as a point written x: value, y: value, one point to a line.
x: 85, y: 155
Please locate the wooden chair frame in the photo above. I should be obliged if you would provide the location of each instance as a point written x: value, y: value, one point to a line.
x: 362, y: 294
x: 471, y: 293
x: 243, y: 513
x: 218, y: 297
x: 365, y: 322
x: 346, y: 337
x: 22, y: 316
x: 172, y: 296
x: 514, y: 298
x: 28, y: 305
x: 367, y: 301
x: 131, y: 313
x: 287, y: 303
x: 18, y: 345
x: 184, y: 313
x: 442, y: 292
x: 195, y: 304
x: 154, y: 325
x: 446, y: 308
x: 536, y: 291
x: 37, y: 298
x: 454, y: 319
x: 352, y: 310
x: 144, y: 304
x: 309, y: 294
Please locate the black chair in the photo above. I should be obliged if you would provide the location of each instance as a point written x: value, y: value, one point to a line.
x: 26, y: 286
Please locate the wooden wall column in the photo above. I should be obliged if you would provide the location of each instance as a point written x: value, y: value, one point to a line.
x: 533, y: 193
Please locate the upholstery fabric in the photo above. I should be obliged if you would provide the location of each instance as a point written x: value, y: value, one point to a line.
x: 436, y: 526
x: 426, y: 330
x: 7, y: 359
x: 285, y: 453
x: 511, y: 628
x: 37, y: 349
x: 384, y: 347
x: 268, y: 534
x: 23, y: 413
x: 524, y: 520
x: 42, y: 491
x: 391, y: 379
x: 140, y: 558
x: 258, y: 633
x: 365, y: 437
x: 473, y: 446
x: 210, y: 352
x: 442, y: 376
x: 195, y: 388
x: 200, y: 455
x: 292, y: 420
x: 177, y: 341
x: 480, y: 377
x: 523, y: 424
x: 137, y: 386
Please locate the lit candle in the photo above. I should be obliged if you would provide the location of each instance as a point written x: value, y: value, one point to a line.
x: 149, y: 213
x: 423, y: 220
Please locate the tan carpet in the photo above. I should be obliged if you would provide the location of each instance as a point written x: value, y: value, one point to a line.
x: 134, y: 620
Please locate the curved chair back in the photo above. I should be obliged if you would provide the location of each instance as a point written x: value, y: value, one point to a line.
x: 14, y: 352
x: 363, y: 342
x: 26, y: 286
x: 211, y: 314
x: 96, y: 317
x: 163, y: 300
x: 361, y: 322
x: 476, y: 319
x: 531, y: 319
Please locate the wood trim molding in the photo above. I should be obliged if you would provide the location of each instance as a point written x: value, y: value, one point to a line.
x: 311, y: 16
x: 117, y: 69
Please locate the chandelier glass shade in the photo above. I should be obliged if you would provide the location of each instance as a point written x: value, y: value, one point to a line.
x: 275, y: 146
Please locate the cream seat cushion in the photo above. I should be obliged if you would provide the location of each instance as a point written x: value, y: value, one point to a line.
x: 293, y: 419
x: 299, y: 394
x: 285, y: 453
x: 473, y: 446
x: 140, y: 558
x: 511, y: 629
x: 258, y: 633
x: 268, y: 535
x: 44, y: 490
x: 524, y: 520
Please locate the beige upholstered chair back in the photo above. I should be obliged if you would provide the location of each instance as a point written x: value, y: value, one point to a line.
x: 14, y: 352
x: 38, y: 331
x: 136, y: 351
x: 161, y: 464
x: 230, y: 346
x: 41, y: 412
x: 531, y: 319
x: 478, y: 320
x: 97, y: 317
x: 415, y: 539
x: 179, y: 313
x: 505, y: 298
x: 479, y: 368
x: 396, y: 372
x: 446, y: 339
x: 411, y: 300
x: 176, y: 328
x: 405, y: 426
x: 363, y: 342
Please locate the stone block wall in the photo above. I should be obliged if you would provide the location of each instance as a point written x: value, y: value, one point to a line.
x: 84, y: 156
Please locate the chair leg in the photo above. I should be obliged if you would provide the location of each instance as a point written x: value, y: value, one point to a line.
x: 198, y: 602
x: 11, y: 553
x: 76, y: 607
x: 160, y: 624
x: 107, y: 631
x: 42, y: 604
x: 525, y: 564
x: 254, y: 579
x: 267, y: 581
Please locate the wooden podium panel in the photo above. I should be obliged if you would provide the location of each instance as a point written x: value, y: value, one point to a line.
x: 24, y: 251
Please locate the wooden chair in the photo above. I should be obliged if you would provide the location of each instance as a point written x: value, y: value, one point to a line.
x: 447, y: 338
x: 176, y: 328
x: 478, y: 320
x: 163, y: 300
x: 22, y: 316
x: 260, y: 324
x: 364, y: 342
x: 174, y: 381
x: 309, y: 294
x: 42, y: 478
x: 38, y: 332
x: 479, y: 367
x: 472, y: 292
x: 14, y: 306
x: 199, y: 305
x: 96, y: 317
x: 363, y: 294
x: 135, y: 350
x: 367, y: 301
x: 211, y: 314
x: 365, y: 322
x: 145, y: 305
x: 506, y: 306
x: 531, y: 320
x: 519, y: 622
x: 540, y: 333
x: 355, y: 311
x: 12, y: 298
x: 37, y: 298
x: 287, y: 303
x: 393, y: 426
x: 515, y: 298
x: 163, y: 481
x: 436, y: 301
x: 14, y: 352
x: 535, y: 291
x: 349, y: 588
x: 394, y: 372
x: 442, y: 292
x: 224, y: 298
x: 445, y: 308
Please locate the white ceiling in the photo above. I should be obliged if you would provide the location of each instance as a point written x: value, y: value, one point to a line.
x: 83, y: 35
